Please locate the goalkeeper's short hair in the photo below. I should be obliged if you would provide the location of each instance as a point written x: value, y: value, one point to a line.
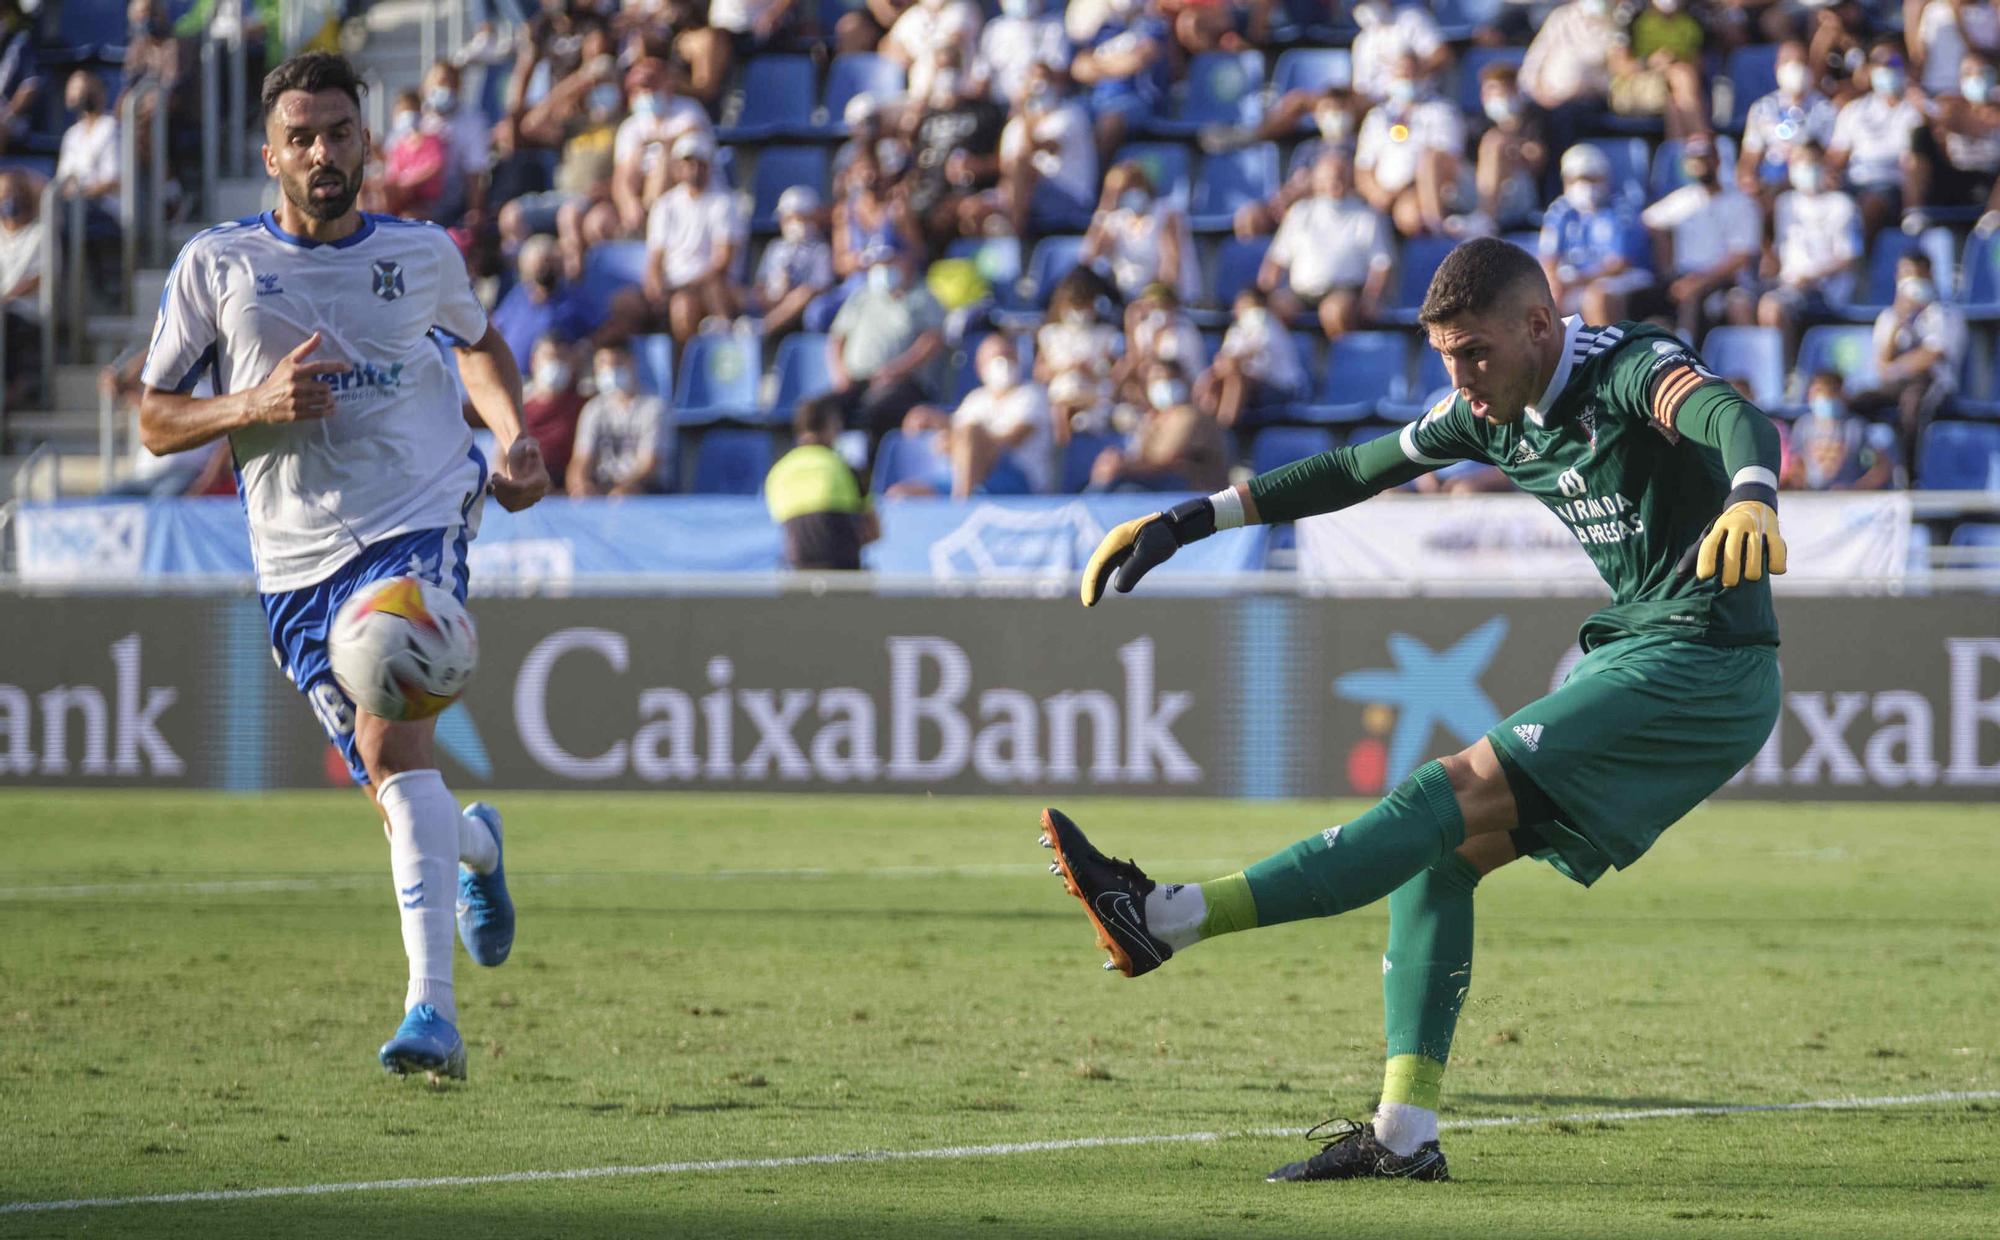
x: 1479, y: 275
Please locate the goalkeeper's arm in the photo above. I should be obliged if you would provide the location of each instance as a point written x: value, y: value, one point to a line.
x: 1743, y: 541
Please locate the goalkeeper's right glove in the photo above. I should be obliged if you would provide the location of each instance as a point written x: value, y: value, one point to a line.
x: 1140, y: 545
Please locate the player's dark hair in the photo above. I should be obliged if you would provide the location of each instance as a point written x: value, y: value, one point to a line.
x: 1475, y: 276
x: 313, y: 72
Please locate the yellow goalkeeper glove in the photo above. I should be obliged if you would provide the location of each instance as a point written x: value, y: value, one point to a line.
x: 1744, y: 540
x: 1142, y: 544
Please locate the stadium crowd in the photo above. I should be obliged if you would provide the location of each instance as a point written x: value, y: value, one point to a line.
x: 1136, y: 244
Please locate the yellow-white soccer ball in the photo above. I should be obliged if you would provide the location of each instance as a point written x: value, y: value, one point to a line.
x: 402, y: 648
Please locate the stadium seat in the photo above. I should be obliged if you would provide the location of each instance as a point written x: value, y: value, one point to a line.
x: 1459, y: 20
x: 608, y: 267
x: 718, y: 377
x: 1470, y: 65
x: 1629, y: 167
x: 1314, y: 69
x: 1846, y: 349
x: 902, y: 456
x: 1753, y: 353
x: 1168, y: 165
x: 1053, y: 258
x: 1977, y: 378
x: 732, y: 460
x: 1979, y: 276
x: 1877, y: 286
x: 1228, y: 180
x: 857, y: 73
x: 1222, y: 88
x: 653, y: 364
x: 1414, y: 269
x: 1080, y: 453
x: 777, y: 99
x: 1959, y: 456
x: 778, y: 169
x: 1277, y: 446
x: 1362, y: 370
x: 1433, y: 382
x: 801, y: 373
x: 1752, y: 73
x: 1977, y: 534
x: 1236, y: 264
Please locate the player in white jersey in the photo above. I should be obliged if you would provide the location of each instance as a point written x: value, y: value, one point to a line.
x: 318, y: 326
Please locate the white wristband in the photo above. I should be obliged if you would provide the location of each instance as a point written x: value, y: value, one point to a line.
x: 1228, y: 504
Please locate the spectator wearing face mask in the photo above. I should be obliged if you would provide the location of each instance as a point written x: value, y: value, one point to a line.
x: 1336, y: 117
x: 414, y: 162
x: 1656, y: 68
x: 796, y: 267
x: 152, y: 59
x: 1513, y: 153
x: 869, y: 218
x: 1125, y: 68
x: 578, y: 117
x: 1023, y: 36
x: 1157, y: 329
x: 1947, y: 32
x: 87, y: 163
x: 954, y: 155
x: 1332, y: 254
x: 542, y: 302
x: 1175, y: 447
x: 1873, y: 140
x: 1048, y: 161
x: 1832, y: 450
x: 1408, y: 159
x: 658, y: 117
x: 926, y: 29
x: 1138, y: 238
x: 1594, y: 251
x: 815, y: 498
x: 1387, y: 33
x: 1919, y: 343
x: 1075, y: 351
x: 1707, y: 236
x: 884, y: 348
x: 557, y: 41
x: 623, y: 442
x: 1776, y: 124
x: 1817, y: 230
x: 467, y: 138
x: 21, y: 236
x: 1956, y: 158
x: 551, y: 400
x: 1567, y: 69
x: 999, y: 441
x: 1257, y: 367
x: 693, y: 233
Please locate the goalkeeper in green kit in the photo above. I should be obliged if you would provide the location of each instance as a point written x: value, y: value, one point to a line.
x: 1668, y: 479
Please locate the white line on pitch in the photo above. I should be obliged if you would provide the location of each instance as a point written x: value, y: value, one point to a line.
x: 950, y: 1152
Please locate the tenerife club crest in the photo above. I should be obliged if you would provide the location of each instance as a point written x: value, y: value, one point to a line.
x: 388, y: 279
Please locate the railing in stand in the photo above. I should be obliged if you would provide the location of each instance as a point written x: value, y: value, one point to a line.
x: 211, y: 123
x: 46, y: 296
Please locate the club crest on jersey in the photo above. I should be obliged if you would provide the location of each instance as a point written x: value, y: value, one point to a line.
x: 388, y: 279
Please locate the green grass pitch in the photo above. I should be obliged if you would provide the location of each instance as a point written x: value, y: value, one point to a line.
x: 195, y: 986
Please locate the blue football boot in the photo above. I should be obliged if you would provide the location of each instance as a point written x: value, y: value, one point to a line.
x: 485, y: 910
x: 425, y: 1042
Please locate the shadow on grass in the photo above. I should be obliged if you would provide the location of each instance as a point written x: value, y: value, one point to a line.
x: 1594, y: 1101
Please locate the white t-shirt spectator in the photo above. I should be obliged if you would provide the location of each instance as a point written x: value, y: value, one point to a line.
x: 1171, y: 338
x: 89, y: 151
x: 21, y: 257
x: 688, y: 227
x: 1329, y: 243
x: 1068, y: 126
x: 1410, y: 28
x: 1945, y: 31
x: 1265, y: 352
x: 1707, y: 227
x: 1569, y: 56
x: 738, y: 16
x: 1077, y: 358
x: 1024, y: 404
x: 1010, y: 46
x: 1936, y: 326
x: 649, y: 138
x: 1875, y: 132
x: 1135, y: 246
x: 1771, y: 130
x: 1390, y: 145
x: 1814, y: 230
x: 617, y: 432
x: 921, y: 31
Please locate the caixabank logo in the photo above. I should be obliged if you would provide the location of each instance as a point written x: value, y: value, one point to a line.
x: 1427, y: 691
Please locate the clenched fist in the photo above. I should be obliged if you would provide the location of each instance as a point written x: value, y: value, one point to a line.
x: 522, y: 478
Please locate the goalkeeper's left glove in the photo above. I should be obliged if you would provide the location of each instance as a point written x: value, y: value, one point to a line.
x: 1140, y: 545
x: 1743, y: 541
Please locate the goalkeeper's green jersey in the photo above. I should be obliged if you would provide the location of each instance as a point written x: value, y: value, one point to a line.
x: 1634, y: 446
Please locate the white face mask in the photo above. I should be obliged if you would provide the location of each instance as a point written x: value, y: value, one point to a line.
x: 1499, y: 108
x: 884, y: 277
x: 614, y: 379
x: 1583, y: 195
x: 1595, y: 7
x: 997, y: 373
x: 1792, y: 77
x: 1370, y: 14
x: 1885, y: 80
x: 1167, y: 346
x: 1134, y: 200
x: 1975, y: 89
x: 1166, y: 393
x: 1916, y: 290
x: 1255, y: 319
x: 1335, y: 125
x: 1020, y: 10
x: 551, y: 375
x: 1401, y: 90
x: 1077, y: 318
x: 1669, y: 7
x: 794, y: 229
x: 1805, y: 178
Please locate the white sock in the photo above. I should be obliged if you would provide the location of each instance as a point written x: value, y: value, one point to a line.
x: 1403, y: 1127
x: 476, y: 846
x: 1174, y: 913
x: 423, y: 856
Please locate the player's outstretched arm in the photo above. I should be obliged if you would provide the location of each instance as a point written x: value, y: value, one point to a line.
x: 493, y: 382
x: 294, y: 391
x: 1743, y: 542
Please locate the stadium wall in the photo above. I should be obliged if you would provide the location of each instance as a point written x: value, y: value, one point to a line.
x: 1267, y: 696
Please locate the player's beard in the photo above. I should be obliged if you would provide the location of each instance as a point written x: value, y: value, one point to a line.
x: 328, y: 207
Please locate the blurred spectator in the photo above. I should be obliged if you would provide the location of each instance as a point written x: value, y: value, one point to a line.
x: 542, y: 302
x: 1331, y: 255
x: 552, y: 399
x: 999, y: 441
x: 1408, y: 158
x: 152, y: 59
x: 1513, y: 153
x: 1947, y: 32
x: 1956, y: 158
x: 518, y: 178
x: 579, y: 117
x: 659, y: 117
x: 1737, y: 22
x: 1156, y: 329
x: 550, y: 50
x: 1176, y: 446
x: 862, y: 27
x: 415, y: 161
x: 1256, y: 368
x: 21, y: 233
x: 924, y: 31
x: 1832, y: 450
x: 1337, y: 116
x: 813, y: 495
x: 1047, y: 158
x: 1125, y: 66
x: 1022, y: 37
x: 1707, y: 236
x: 865, y: 127
x: 1873, y: 139
x: 869, y: 218
x: 1656, y: 68
x: 1818, y: 243
x: 1388, y: 32
x: 1075, y: 350
x: 468, y: 137
x: 1795, y: 112
x: 741, y: 29
x: 1837, y: 47
x: 1219, y: 25
x: 1139, y: 238
x: 884, y: 348
x: 623, y: 442
x: 955, y: 154
x: 87, y: 163
x: 1568, y: 66
x: 1594, y: 251
x: 796, y: 267
x: 1919, y: 343
x: 693, y: 234
x: 20, y: 69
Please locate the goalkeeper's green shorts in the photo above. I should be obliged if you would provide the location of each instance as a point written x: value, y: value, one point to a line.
x: 1640, y: 733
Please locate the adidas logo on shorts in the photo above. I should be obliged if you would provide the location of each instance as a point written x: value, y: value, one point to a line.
x: 1530, y: 734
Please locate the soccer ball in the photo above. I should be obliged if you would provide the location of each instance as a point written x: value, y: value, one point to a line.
x: 402, y: 648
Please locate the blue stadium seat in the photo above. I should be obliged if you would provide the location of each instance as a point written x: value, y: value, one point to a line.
x: 1977, y: 534
x: 718, y: 377
x: 777, y: 99
x: 1846, y: 349
x: 1168, y: 165
x: 1414, y: 269
x: 901, y: 456
x: 1362, y: 370
x: 1630, y: 166
x: 1433, y: 381
x: 1752, y: 72
x: 1080, y: 453
x: 732, y: 460
x: 1053, y: 258
x: 1959, y: 456
x: 1877, y: 287
x: 801, y: 372
x: 608, y: 267
x: 653, y: 364
x: 1236, y: 264
x: 1222, y: 88
x: 778, y: 169
x: 1979, y: 276
x: 1754, y: 353
x: 1459, y: 20
x: 1277, y: 446
x: 857, y: 73
x: 1314, y: 69
x: 1228, y: 180
x: 1470, y: 65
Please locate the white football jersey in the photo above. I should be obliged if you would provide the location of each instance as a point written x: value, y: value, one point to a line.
x: 395, y: 455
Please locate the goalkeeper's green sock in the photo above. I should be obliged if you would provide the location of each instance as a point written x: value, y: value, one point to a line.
x: 1426, y: 973
x: 1341, y: 868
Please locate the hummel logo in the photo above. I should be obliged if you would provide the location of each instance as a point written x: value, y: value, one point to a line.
x: 1116, y: 906
x: 267, y: 285
x: 1530, y: 734
x: 1523, y: 453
